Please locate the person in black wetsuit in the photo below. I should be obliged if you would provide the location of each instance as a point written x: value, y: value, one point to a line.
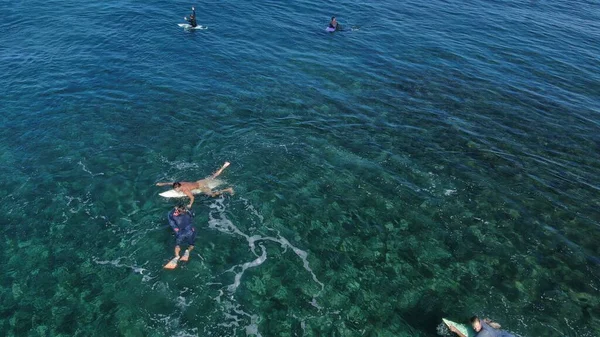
x: 192, y: 19
x: 180, y: 219
x: 334, y: 24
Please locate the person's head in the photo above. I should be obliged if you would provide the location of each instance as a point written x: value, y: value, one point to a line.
x: 179, y: 209
x: 475, y: 323
x: 333, y: 19
x: 176, y: 185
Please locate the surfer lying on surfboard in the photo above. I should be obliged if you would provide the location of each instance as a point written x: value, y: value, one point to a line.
x: 483, y: 328
x: 192, y: 19
x: 204, y: 185
x: 180, y: 220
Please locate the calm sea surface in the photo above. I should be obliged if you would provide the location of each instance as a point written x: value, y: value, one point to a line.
x: 434, y: 159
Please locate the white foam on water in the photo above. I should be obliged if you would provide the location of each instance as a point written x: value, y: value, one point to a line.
x: 179, y: 165
x: 233, y: 317
x: 223, y: 224
x: 133, y: 235
x: 172, y: 325
x: 161, y: 320
x: 77, y: 204
x: 85, y: 169
x: 315, y: 304
x: 182, y: 303
x: 231, y: 313
x: 218, y: 297
x: 117, y: 263
x: 449, y: 192
x: 443, y: 330
x: 253, y: 211
x: 193, y: 333
x: 303, y: 256
x: 304, y: 321
x: 252, y: 328
x: 252, y: 264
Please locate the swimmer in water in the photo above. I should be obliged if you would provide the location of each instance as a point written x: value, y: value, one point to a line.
x: 203, y: 185
x: 333, y: 24
x: 192, y: 19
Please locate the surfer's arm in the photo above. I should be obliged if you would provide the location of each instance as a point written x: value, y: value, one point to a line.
x: 163, y: 184
x: 172, y: 222
x: 190, y: 195
x: 492, y: 323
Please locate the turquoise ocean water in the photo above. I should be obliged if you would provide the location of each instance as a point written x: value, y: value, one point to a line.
x: 435, y: 159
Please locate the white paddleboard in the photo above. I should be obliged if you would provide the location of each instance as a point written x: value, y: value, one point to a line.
x: 463, y: 328
x: 188, y: 26
x: 211, y: 183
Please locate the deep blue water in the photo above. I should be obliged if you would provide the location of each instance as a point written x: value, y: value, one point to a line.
x: 435, y: 159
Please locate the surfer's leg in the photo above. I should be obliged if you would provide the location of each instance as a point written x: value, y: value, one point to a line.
x: 216, y: 174
x: 186, y: 254
x: 173, y: 263
x: 190, y: 237
x: 202, y: 185
x: 217, y: 193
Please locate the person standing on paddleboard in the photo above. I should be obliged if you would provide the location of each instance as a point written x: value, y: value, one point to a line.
x: 192, y: 19
x: 180, y: 219
x: 203, y: 185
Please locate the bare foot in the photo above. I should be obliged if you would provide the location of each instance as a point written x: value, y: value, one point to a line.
x: 230, y: 190
x: 216, y: 174
x: 186, y: 255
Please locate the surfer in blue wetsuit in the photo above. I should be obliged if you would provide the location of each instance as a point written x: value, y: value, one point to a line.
x: 180, y: 219
x: 192, y: 19
x: 484, y: 328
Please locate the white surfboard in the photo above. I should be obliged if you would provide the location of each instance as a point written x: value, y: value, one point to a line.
x: 463, y: 328
x: 188, y: 26
x: 211, y: 183
x: 176, y: 194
